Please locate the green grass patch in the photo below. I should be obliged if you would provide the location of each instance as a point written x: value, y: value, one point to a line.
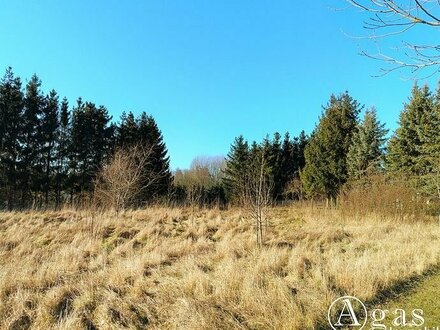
x: 424, y: 296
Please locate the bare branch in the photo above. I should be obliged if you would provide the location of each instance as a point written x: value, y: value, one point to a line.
x: 126, y: 175
x: 258, y: 193
x: 397, y: 17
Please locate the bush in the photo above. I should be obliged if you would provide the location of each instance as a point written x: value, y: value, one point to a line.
x: 385, y: 195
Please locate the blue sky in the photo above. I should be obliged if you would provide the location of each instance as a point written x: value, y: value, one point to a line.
x: 206, y: 70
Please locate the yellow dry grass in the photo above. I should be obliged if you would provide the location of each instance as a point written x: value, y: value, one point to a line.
x: 164, y: 268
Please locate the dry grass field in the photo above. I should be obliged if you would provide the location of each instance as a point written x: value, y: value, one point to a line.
x: 167, y: 269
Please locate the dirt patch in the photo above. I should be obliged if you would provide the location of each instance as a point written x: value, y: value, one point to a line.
x: 64, y: 307
x: 24, y: 322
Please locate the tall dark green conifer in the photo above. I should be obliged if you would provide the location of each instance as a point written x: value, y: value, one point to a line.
x: 128, y: 131
x: 405, y: 153
x: 235, y: 171
x: 274, y: 161
x: 289, y: 162
x: 414, y: 149
x: 326, y: 153
x: 11, y: 112
x: 30, y: 168
x: 48, y: 139
x: 300, y: 146
x: 62, y: 152
x: 367, y: 149
x: 431, y: 150
x: 143, y: 132
x: 151, y: 136
x: 90, y: 145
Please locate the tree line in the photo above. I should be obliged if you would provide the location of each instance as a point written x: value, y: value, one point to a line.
x: 345, y: 150
x: 51, y: 153
x: 219, y: 181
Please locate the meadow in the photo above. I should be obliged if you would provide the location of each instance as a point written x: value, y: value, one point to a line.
x: 174, y: 269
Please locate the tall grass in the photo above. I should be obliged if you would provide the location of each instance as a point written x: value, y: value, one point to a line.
x: 164, y: 268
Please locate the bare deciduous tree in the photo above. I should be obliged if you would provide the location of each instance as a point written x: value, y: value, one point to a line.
x: 389, y: 18
x: 214, y: 165
x: 257, y: 193
x: 204, y: 173
x: 126, y: 175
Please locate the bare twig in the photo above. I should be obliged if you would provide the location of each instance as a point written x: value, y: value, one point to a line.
x: 395, y: 18
x: 128, y: 173
x: 258, y: 193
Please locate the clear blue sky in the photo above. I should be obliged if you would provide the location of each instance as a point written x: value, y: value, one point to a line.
x: 206, y: 70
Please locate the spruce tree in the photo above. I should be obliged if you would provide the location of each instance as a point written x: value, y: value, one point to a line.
x: 300, y: 145
x: 326, y: 153
x: 31, y: 168
x: 128, y: 131
x: 235, y: 171
x: 274, y: 162
x: 91, y: 140
x: 430, y: 150
x: 11, y: 120
x: 48, y: 140
x: 289, y: 162
x: 367, y: 149
x: 62, y: 152
x: 405, y: 148
x: 159, y: 166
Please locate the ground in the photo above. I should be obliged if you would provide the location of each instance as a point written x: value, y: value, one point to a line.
x: 172, y: 269
x: 424, y: 295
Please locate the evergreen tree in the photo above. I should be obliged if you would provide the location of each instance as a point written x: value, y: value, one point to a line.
x: 143, y: 132
x: 30, y: 168
x: 159, y: 166
x: 430, y: 150
x: 90, y: 145
x: 289, y: 161
x: 326, y: 153
x: 405, y: 148
x: 292, y: 160
x: 274, y: 162
x: 62, y: 152
x: 300, y: 145
x: 128, y: 131
x: 236, y: 167
x: 367, y: 149
x: 11, y: 112
x: 49, y: 127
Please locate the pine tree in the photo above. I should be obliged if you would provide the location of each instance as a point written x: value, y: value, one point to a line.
x: 62, y: 152
x: 430, y: 150
x: 11, y: 112
x: 326, y: 153
x: 274, y: 162
x: 30, y: 168
x: 289, y: 162
x: 159, y: 167
x: 367, y: 149
x: 144, y: 133
x: 128, y: 131
x: 405, y: 146
x: 300, y: 145
x: 91, y: 140
x: 292, y: 162
x: 49, y: 127
x: 235, y: 171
